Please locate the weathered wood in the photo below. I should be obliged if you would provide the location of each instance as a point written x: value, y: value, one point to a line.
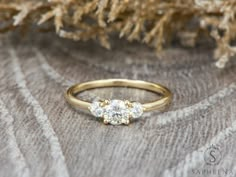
x: 41, y: 135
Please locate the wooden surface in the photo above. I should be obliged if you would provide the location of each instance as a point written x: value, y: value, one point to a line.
x: 41, y: 135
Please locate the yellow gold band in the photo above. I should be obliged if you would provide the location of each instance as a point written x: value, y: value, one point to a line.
x: 157, y: 88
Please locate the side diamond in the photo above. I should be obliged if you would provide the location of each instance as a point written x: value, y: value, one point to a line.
x: 96, y: 109
x: 136, y: 110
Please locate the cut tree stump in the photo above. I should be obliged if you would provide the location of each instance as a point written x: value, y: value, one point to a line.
x: 42, y: 136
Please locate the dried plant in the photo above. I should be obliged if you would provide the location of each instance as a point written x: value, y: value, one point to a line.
x: 154, y: 22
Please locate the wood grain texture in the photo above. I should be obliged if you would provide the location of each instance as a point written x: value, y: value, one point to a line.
x: 42, y: 136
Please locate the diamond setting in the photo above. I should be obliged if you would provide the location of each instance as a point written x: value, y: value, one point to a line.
x: 96, y: 109
x: 136, y: 110
x: 116, y: 112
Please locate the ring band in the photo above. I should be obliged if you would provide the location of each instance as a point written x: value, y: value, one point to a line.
x: 118, y: 111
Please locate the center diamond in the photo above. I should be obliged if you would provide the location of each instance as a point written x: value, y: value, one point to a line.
x: 116, y: 112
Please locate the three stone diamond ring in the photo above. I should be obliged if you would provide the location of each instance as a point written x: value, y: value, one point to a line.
x: 116, y: 111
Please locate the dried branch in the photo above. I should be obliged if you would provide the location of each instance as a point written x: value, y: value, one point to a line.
x: 154, y: 22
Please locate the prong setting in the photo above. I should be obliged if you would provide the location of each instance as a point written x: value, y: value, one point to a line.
x: 105, y: 103
x: 128, y: 103
x: 116, y: 112
x: 105, y: 121
x: 126, y: 121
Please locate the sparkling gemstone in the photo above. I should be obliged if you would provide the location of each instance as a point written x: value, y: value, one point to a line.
x: 137, y: 110
x: 116, y: 112
x: 96, y: 109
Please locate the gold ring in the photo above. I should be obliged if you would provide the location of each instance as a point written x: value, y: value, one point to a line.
x: 117, y: 112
